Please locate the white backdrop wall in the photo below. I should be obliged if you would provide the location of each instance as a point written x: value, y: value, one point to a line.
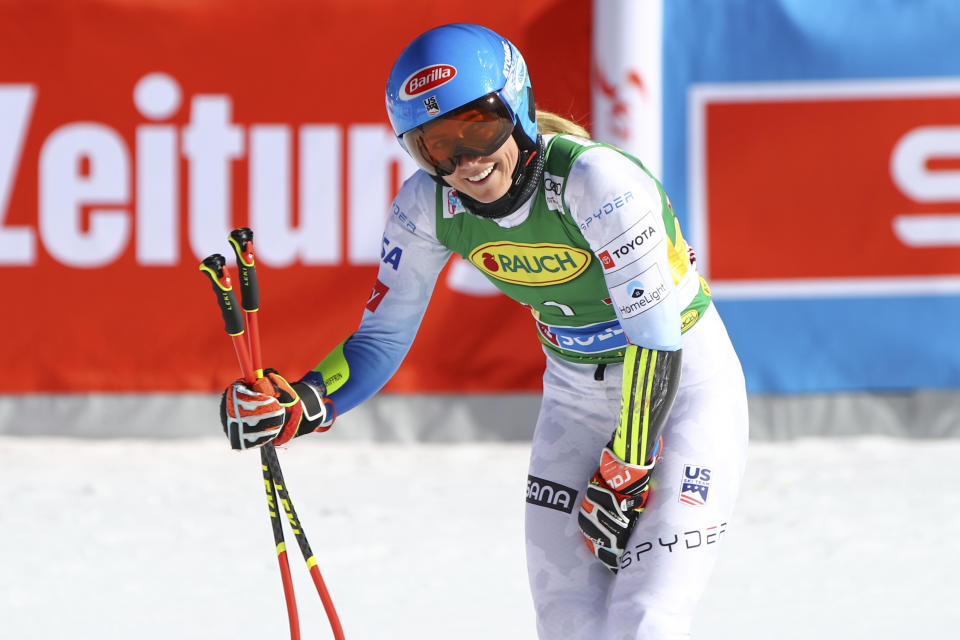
x: 465, y: 418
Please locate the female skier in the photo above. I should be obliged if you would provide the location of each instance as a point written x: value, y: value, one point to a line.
x: 641, y: 438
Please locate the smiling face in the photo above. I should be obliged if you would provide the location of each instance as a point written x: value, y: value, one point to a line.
x: 486, y: 178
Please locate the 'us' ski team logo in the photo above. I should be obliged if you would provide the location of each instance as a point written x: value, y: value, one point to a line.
x: 695, y: 485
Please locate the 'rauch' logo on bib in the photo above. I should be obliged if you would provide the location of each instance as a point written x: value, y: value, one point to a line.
x: 530, y: 264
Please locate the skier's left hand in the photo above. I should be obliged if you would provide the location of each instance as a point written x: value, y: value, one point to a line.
x: 615, y: 497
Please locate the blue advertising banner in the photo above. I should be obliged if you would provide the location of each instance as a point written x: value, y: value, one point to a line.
x: 812, y: 151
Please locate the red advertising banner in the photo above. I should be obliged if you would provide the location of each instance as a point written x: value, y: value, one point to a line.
x: 853, y: 186
x: 134, y: 136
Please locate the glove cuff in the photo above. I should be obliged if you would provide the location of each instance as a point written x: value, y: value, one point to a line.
x: 319, y: 411
x: 625, y: 479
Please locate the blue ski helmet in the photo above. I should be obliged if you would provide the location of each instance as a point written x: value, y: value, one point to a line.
x: 448, y: 68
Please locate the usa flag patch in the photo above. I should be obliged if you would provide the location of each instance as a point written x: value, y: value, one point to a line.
x: 695, y: 485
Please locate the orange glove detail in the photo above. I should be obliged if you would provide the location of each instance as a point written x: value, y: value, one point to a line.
x: 253, y: 414
x: 615, y: 497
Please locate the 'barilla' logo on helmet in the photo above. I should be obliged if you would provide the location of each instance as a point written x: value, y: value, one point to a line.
x: 425, y: 79
x: 535, y: 265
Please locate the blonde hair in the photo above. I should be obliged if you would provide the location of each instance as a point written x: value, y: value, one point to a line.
x: 548, y: 122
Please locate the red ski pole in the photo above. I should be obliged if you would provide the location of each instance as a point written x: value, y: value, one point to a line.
x: 214, y: 266
x: 242, y: 242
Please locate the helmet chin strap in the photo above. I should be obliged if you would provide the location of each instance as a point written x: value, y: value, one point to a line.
x: 526, y: 176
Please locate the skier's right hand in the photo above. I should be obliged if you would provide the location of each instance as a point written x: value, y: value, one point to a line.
x: 271, y: 409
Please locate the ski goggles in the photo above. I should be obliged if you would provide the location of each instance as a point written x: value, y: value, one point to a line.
x: 477, y: 128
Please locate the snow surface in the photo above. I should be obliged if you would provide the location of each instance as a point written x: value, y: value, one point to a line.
x: 833, y: 538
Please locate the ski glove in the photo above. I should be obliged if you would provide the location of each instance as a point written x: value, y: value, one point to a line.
x: 271, y: 409
x: 615, y: 497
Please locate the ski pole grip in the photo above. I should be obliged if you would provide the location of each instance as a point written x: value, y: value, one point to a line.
x: 215, y: 267
x: 242, y: 242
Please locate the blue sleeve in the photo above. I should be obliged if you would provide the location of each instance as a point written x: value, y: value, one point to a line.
x: 372, y: 362
x: 411, y: 260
